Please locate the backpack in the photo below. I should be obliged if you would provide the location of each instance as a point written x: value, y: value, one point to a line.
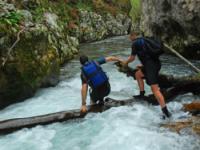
x: 152, y: 46
x: 94, y: 74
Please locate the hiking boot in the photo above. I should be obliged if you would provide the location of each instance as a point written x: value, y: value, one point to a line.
x: 140, y: 96
x: 166, y: 113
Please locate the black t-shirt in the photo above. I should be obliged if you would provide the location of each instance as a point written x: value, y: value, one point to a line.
x: 100, y: 61
x: 139, y: 50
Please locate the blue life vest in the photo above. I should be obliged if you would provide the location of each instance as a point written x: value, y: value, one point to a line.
x: 94, y: 74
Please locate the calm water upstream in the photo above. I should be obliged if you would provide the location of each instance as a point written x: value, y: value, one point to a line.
x: 123, y: 128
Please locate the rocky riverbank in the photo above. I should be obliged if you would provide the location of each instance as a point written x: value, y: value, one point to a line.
x: 49, y: 33
x: 176, y: 22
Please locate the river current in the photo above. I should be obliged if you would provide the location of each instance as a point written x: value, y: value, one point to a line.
x: 134, y: 127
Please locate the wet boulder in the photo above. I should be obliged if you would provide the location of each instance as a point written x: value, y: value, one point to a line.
x: 34, y: 61
x: 177, y: 22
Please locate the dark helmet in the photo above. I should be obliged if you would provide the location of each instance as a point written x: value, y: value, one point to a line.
x: 83, y: 59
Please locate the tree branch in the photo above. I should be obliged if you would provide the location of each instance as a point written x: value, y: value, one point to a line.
x: 11, y: 48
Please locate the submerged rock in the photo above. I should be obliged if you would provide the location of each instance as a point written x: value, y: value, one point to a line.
x: 191, y: 123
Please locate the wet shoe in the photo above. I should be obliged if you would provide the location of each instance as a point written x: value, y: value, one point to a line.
x: 166, y: 113
x: 139, y: 96
x: 163, y: 117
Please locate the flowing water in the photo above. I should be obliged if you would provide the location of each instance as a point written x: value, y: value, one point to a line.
x: 124, y: 128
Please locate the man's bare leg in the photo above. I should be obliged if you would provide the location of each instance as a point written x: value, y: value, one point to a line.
x: 139, y: 77
x: 156, y: 91
x: 160, y: 98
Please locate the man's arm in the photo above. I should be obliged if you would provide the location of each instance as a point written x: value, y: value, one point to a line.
x: 129, y: 60
x: 84, y: 97
x: 112, y: 58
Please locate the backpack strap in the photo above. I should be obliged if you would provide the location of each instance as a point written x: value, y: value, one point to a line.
x: 140, y: 43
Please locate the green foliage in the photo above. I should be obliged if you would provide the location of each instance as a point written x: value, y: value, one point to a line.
x: 122, y: 5
x: 84, y: 6
x: 38, y: 14
x: 11, y: 19
x: 136, y: 10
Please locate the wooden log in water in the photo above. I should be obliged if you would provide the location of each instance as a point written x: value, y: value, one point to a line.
x: 192, y: 123
x: 186, y: 83
x: 178, y: 126
x: 11, y: 125
x: 182, y: 58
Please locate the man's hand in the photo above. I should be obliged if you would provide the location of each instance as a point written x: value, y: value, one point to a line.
x: 124, y: 63
x: 112, y: 58
x: 83, y: 109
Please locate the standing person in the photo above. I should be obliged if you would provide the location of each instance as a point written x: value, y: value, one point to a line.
x: 93, y: 75
x: 149, y: 69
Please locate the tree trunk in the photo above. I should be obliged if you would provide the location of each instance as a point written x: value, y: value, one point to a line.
x: 11, y: 125
x: 182, y: 58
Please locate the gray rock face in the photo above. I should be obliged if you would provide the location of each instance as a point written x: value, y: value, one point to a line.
x: 96, y: 27
x: 176, y: 21
x: 5, y: 8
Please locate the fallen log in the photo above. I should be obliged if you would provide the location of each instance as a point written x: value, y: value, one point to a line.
x: 186, y: 84
x: 165, y: 81
x: 171, y: 86
x: 182, y: 58
x: 192, y: 123
x: 178, y: 126
x: 11, y: 125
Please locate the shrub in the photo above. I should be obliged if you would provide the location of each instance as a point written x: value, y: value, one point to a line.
x: 135, y: 12
x: 11, y: 19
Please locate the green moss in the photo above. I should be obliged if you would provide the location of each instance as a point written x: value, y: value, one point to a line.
x: 84, y: 6
x: 40, y: 51
x: 33, y: 61
x: 135, y: 12
x: 10, y: 21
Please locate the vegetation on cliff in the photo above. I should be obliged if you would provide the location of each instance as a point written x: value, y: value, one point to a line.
x: 135, y: 12
x: 50, y: 32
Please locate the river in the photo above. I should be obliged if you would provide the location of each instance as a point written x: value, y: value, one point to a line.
x: 124, y: 128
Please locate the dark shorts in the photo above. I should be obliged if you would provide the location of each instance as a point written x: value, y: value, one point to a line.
x: 100, y: 93
x: 151, y: 72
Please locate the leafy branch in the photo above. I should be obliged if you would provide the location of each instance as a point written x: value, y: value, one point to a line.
x: 11, y: 19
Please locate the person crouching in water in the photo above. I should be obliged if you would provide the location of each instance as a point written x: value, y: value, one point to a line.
x: 93, y: 75
x: 149, y: 69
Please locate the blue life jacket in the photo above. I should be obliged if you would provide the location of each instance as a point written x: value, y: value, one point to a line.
x: 94, y: 74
